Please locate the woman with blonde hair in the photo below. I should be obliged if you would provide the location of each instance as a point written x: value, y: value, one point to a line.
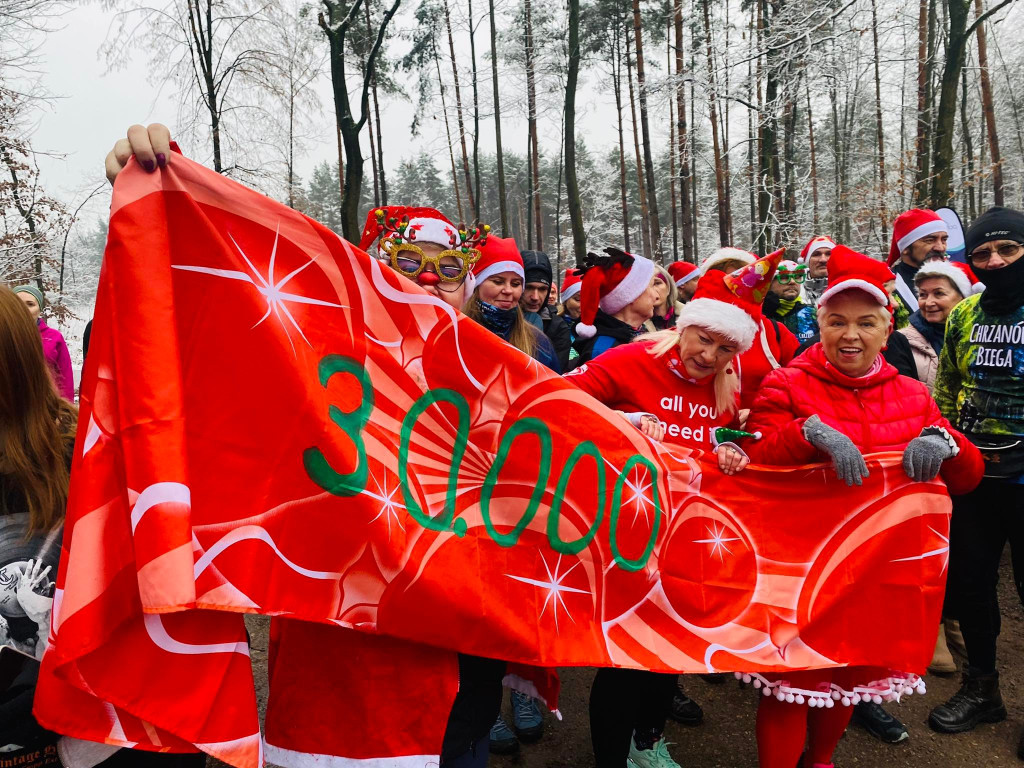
x: 680, y: 384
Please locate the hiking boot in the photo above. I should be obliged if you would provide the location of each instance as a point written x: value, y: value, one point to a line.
x: 685, y: 710
x: 527, y: 718
x: 879, y: 723
x: 655, y: 757
x: 954, y: 637
x: 942, y: 659
x: 502, y: 740
x: 977, y: 701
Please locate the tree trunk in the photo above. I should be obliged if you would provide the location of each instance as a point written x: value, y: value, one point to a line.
x: 378, y: 169
x: 1014, y: 109
x: 988, y: 108
x: 470, y: 199
x: 448, y: 133
x: 672, y: 147
x: 534, y: 148
x: 923, y: 122
x: 652, y: 195
x: 882, y: 214
x: 476, y: 111
x: 965, y: 128
x: 645, y: 233
x: 572, y: 188
x: 689, y: 245
x: 942, y: 155
x: 617, y: 87
x: 723, y: 220
x: 814, y: 160
x: 369, y: 127
x: 500, y: 158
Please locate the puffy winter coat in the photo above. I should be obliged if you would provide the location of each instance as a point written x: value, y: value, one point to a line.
x: 925, y: 359
x: 57, y: 358
x: 882, y: 411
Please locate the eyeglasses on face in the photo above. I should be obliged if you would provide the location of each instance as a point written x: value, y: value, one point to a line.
x: 791, y: 277
x: 451, y: 266
x: 1005, y: 251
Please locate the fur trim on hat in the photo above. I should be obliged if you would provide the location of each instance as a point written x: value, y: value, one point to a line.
x: 944, y: 269
x: 498, y: 267
x: 726, y: 319
x: 630, y: 287
x: 726, y: 254
x: 873, y: 290
x: 572, y: 290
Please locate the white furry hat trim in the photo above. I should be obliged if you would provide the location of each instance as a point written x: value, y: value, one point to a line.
x: 726, y: 254
x: 945, y: 269
x: 726, y: 319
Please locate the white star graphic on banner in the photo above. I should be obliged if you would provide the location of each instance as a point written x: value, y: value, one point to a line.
x: 272, y: 291
x: 933, y: 553
x: 717, y: 541
x: 389, y: 507
x: 639, y: 498
x: 554, y: 587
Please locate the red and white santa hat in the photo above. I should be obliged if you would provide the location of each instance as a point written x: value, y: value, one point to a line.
x: 403, y: 222
x: 909, y: 227
x: 730, y: 304
x: 497, y: 255
x: 726, y: 254
x: 848, y: 270
x: 960, y: 275
x: 611, y: 283
x: 814, y: 244
x: 683, y: 272
x: 571, y: 284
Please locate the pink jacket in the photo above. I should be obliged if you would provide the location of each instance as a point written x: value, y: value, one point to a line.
x: 58, y: 359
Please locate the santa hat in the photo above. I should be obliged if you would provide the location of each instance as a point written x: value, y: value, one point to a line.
x: 726, y: 254
x: 571, y: 284
x: 848, y: 269
x: 497, y: 255
x: 790, y: 267
x: 611, y: 283
x: 960, y: 275
x: 402, y: 222
x: 683, y: 272
x: 730, y: 304
x: 909, y: 227
x: 813, y: 245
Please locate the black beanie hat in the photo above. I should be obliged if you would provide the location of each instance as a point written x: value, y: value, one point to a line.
x: 995, y: 224
x: 537, y: 266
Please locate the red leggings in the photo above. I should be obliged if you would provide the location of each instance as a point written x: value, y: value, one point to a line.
x: 784, y: 729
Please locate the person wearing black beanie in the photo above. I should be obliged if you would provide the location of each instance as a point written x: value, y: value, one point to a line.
x: 980, y: 389
x: 534, y: 303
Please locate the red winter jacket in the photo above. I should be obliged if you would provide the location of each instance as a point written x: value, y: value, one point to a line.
x: 879, y: 412
x: 754, y: 364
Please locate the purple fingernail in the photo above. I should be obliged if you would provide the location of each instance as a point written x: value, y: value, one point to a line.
x: 161, y: 160
x: 148, y: 165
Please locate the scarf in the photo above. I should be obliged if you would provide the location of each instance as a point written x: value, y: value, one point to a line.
x: 1004, y: 288
x: 786, y: 305
x: 497, y: 321
x: 933, y: 333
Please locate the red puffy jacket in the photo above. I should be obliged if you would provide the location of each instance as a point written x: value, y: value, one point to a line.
x: 754, y: 364
x: 879, y: 412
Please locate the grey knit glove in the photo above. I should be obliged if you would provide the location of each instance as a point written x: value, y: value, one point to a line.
x: 923, y: 456
x: 846, y: 458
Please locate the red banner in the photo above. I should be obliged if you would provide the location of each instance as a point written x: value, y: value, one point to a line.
x: 273, y: 422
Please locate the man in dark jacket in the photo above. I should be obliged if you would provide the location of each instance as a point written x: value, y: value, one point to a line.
x: 783, y: 301
x: 534, y: 303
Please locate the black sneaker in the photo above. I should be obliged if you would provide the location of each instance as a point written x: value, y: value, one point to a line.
x: 685, y: 710
x: 879, y: 723
x: 977, y: 701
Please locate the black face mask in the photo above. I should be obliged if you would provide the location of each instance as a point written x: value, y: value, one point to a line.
x: 1004, y: 288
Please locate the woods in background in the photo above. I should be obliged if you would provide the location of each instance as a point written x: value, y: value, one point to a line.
x: 670, y: 126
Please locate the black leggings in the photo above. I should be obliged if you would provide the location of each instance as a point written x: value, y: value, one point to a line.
x: 622, y: 700
x: 983, y: 521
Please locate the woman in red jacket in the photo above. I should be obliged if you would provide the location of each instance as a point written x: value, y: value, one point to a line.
x: 680, y: 382
x: 838, y: 401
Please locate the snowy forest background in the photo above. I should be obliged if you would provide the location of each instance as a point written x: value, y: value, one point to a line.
x: 666, y: 126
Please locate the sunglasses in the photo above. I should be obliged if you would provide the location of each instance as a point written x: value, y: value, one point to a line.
x: 409, y: 260
x: 790, y: 277
x: 1005, y: 251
